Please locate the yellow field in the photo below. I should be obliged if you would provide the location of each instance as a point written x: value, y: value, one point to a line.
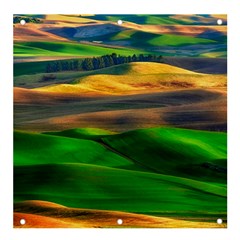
x: 67, y: 18
x: 140, y: 78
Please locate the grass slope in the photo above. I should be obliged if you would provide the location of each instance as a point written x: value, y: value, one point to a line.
x: 30, y: 68
x: 143, y: 39
x: 31, y: 149
x: 84, y: 174
x: 97, y: 187
x: 180, y: 152
x: 83, y: 133
x: 35, y: 49
x: 176, y: 40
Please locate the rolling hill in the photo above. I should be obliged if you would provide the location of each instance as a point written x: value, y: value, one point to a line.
x: 156, y: 39
x: 163, y: 19
x: 156, y: 149
x: 113, y: 34
x: 52, y: 149
x: 145, y: 142
x: 48, y: 214
x: 188, y: 108
x: 33, y: 49
x: 27, y: 73
x: 136, y: 78
x: 169, y: 35
x: 111, y: 177
x: 198, y: 154
x: 34, y: 33
x: 89, y: 186
x: 160, y: 149
x: 141, y: 19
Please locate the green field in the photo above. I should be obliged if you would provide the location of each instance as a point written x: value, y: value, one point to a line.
x: 96, y: 187
x: 35, y: 49
x: 142, y: 39
x: 26, y: 68
x: 174, y: 40
x: 88, y: 168
x: 176, y: 152
x: 56, y: 150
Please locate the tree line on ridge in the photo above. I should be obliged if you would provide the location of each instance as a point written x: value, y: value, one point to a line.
x: 88, y: 64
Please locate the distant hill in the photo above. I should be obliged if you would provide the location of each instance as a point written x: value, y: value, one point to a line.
x: 201, y: 65
x: 161, y: 19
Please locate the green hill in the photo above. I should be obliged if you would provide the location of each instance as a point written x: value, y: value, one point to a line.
x: 83, y: 133
x: 96, y: 187
x: 33, y: 149
x: 179, y: 152
x: 24, y: 49
x: 147, y: 171
x: 143, y: 39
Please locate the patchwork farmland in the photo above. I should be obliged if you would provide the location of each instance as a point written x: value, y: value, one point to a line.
x: 120, y: 121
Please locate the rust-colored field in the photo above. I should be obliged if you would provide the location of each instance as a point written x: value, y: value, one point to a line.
x: 194, y: 108
x: 33, y: 32
x: 40, y: 214
x: 31, y: 96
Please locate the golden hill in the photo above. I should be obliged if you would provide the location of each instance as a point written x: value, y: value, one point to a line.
x: 141, y: 77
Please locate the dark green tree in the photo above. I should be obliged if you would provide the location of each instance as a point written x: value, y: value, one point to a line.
x: 49, y: 68
x: 101, y: 63
x: 87, y: 64
x: 134, y: 58
x: 141, y: 57
x: 95, y: 62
